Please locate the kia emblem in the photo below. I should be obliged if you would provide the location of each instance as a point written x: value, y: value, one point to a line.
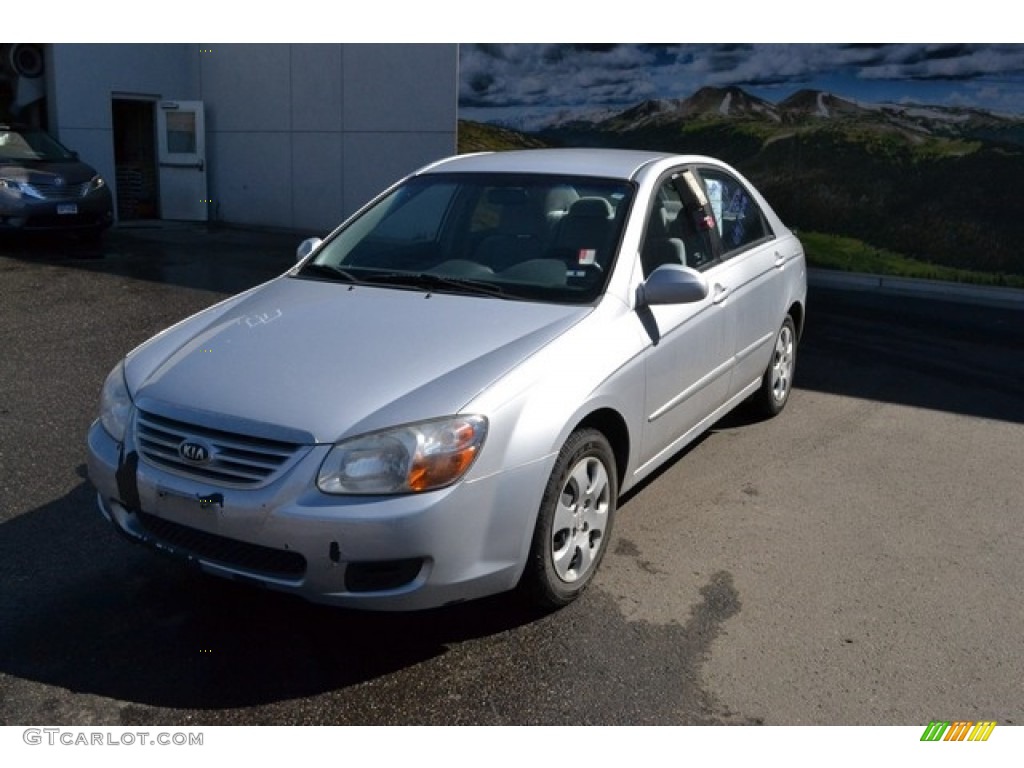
x: 194, y: 451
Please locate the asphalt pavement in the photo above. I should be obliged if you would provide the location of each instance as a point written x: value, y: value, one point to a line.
x: 854, y: 561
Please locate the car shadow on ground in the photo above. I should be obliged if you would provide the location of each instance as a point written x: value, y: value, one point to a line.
x: 91, y: 613
x: 914, y: 351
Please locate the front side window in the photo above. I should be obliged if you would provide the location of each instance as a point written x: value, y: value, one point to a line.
x: 676, y: 231
x: 534, y: 237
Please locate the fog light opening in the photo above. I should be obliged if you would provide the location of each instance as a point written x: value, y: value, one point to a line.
x: 381, y: 576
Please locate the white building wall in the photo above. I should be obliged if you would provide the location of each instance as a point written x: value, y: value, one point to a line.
x: 400, y: 112
x: 297, y: 136
x: 81, y: 78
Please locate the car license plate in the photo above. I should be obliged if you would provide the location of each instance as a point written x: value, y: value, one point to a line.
x: 186, y: 506
x: 67, y: 208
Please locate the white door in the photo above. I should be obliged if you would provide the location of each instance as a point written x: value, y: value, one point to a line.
x: 689, y: 363
x: 181, y: 142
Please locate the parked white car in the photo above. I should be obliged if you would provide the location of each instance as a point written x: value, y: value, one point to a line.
x: 446, y: 397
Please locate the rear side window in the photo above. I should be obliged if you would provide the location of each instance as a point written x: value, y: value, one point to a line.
x: 738, y: 218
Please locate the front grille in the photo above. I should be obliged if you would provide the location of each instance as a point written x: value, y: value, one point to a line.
x: 235, y: 460
x: 253, y: 558
x: 60, y: 191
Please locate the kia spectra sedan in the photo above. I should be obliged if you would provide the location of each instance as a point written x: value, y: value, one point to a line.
x: 446, y: 397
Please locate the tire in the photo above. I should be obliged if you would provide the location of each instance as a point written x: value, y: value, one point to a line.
x: 777, y: 382
x: 574, y: 523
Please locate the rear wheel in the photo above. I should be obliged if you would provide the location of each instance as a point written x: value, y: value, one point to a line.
x: 777, y: 382
x: 575, y: 521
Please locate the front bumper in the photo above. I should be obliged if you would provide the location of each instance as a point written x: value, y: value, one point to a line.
x: 404, y: 552
x: 93, y: 212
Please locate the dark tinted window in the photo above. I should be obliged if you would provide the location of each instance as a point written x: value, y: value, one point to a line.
x: 30, y: 144
x: 737, y: 216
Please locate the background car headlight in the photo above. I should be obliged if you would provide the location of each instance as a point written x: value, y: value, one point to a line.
x: 407, y: 459
x: 11, y: 186
x: 115, y: 404
x: 96, y: 182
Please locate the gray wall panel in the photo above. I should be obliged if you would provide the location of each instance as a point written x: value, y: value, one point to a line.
x: 393, y: 87
x: 317, y: 163
x: 250, y: 174
x: 375, y: 160
x: 316, y: 87
x: 247, y: 87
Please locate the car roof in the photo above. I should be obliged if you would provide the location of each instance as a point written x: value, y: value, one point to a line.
x: 603, y: 163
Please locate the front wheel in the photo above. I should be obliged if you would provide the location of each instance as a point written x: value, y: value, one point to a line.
x: 574, y: 522
x: 777, y: 382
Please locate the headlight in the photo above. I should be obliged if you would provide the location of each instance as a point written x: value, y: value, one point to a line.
x: 20, y: 188
x: 115, y: 404
x: 10, y: 185
x: 408, y: 459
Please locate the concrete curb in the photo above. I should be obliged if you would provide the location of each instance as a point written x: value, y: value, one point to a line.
x: 982, y: 295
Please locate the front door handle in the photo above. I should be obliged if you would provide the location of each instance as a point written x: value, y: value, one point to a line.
x: 721, y: 293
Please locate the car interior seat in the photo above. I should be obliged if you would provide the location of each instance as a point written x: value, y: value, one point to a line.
x: 582, y: 237
x: 520, y: 232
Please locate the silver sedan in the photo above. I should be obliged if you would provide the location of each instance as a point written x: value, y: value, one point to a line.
x: 446, y: 397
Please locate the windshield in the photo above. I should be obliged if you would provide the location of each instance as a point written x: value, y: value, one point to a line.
x: 30, y: 144
x: 538, y: 237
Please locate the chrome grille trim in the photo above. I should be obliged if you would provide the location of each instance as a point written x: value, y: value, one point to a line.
x: 60, y: 191
x: 237, y: 460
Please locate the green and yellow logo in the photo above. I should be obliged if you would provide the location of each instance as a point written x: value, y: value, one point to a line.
x: 959, y: 730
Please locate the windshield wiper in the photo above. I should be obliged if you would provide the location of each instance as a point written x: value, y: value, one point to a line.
x: 432, y: 281
x: 327, y: 270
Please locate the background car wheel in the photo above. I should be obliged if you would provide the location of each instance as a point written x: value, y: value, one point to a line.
x: 777, y: 382
x: 575, y: 521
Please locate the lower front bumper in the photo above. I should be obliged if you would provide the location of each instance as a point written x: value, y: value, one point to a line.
x: 89, y: 215
x: 381, y: 553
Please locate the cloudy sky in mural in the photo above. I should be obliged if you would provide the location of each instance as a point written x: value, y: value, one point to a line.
x: 525, y: 84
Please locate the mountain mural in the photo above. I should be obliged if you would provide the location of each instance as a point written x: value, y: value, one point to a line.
x: 942, y: 184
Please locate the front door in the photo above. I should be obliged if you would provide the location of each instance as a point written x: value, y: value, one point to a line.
x: 689, y: 362
x: 181, y: 140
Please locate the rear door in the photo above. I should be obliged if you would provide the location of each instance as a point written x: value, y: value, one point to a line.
x: 181, y: 146
x: 749, y: 282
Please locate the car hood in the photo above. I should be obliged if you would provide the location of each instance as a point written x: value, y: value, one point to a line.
x: 323, y: 360
x: 47, y: 171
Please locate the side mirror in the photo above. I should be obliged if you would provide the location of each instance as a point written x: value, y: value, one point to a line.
x: 306, y: 247
x: 672, y: 284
